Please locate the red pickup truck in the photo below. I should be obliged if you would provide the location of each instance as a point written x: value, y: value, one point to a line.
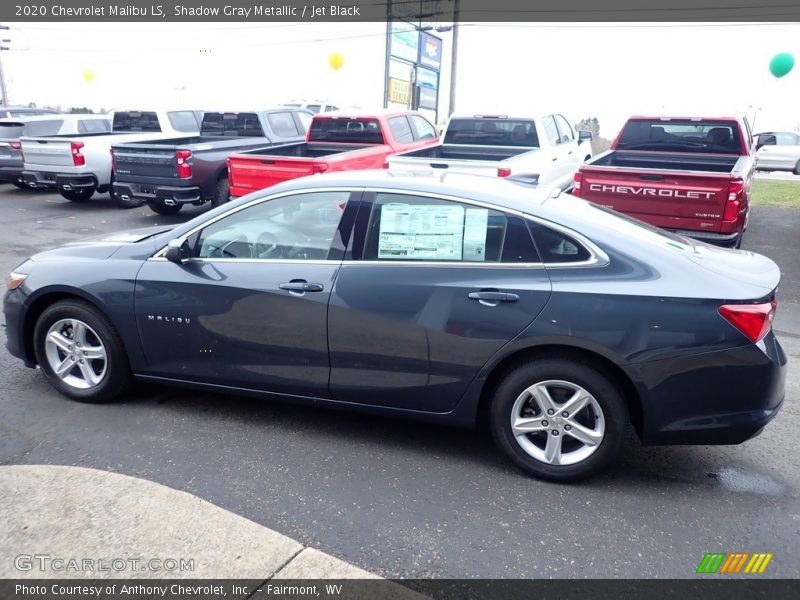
x: 689, y: 175
x: 334, y: 142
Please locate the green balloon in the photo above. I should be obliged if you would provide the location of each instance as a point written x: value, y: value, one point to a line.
x: 781, y: 64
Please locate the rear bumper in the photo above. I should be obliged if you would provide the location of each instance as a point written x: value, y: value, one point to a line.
x: 60, y: 181
x: 724, y: 397
x: 10, y: 173
x: 720, y: 239
x: 163, y: 194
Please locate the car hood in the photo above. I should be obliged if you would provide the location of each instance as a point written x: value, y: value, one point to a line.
x: 737, y: 265
x: 102, y: 246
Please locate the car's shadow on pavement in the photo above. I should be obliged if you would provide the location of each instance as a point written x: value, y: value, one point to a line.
x: 409, y: 441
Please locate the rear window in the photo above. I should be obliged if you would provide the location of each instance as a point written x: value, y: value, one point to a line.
x: 232, y: 124
x: 39, y: 128
x: 684, y: 135
x: 346, y: 131
x: 94, y: 126
x: 492, y: 132
x: 135, y: 120
x: 183, y: 120
x: 282, y: 124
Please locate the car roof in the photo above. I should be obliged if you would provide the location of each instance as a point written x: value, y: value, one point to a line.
x: 504, y: 193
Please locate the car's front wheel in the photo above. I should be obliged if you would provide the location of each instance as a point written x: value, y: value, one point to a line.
x: 559, y: 419
x: 80, y: 353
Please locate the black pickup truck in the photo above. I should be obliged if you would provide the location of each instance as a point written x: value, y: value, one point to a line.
x: 168, y: 173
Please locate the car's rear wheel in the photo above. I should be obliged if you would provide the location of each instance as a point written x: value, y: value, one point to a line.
x: 222, y: 193
x: 559, y: 419
x: 81, y: 195
x: 165, y: 209
x: 80, y: 353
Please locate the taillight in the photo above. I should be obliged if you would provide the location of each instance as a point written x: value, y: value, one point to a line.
x: 15, y: 145
x: 503, y: 172
x: 576, y: 184
x: 78, y: 159
x: 753, y: 320
x: 734, y: 203
x: 318, y: 168
x: 184, y: 168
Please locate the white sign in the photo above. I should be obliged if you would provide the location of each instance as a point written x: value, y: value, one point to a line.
x: 423, y: 232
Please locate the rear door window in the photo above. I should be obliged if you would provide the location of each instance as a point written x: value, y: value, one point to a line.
x: 183, y: 120
x: 564, y: 130
x: 401, y: 130
x: 422, y: 129
x: 305, y: 120
x: 551, y: 130
x: 40, y: 128
x: 94, y: 126
x: 414, y: 228
x: 282, y: 124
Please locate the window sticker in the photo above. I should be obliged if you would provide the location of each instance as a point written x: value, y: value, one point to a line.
x: 476, y: 224
x: 421, y: 232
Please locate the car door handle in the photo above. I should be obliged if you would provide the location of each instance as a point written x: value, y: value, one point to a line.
x: 301, y: 286
x: 491, y: 298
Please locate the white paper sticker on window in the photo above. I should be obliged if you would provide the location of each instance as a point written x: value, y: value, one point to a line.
x: 421, y: 232
x: 476, y: 224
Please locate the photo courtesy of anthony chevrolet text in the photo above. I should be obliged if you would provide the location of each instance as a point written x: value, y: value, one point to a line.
x: 400, y: 300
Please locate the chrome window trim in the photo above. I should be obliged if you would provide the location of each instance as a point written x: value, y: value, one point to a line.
x: 597, y: 256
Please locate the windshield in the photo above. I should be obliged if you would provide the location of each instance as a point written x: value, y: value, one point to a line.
x: 684, y: 135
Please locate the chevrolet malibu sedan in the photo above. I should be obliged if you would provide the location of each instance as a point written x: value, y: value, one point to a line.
x: 446, y: 298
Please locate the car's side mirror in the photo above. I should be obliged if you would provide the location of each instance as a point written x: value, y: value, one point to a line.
x: 585, y: 136
x: 177, y: 251
x: 766, y: 140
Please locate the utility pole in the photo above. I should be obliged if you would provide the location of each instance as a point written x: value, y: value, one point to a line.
x: 454, y: 58
x: 3, y: 91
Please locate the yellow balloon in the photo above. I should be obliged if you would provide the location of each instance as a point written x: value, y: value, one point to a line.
x: 88, y: 76
x: 336, y: 60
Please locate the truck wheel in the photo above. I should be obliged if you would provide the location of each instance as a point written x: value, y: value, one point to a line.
x: 80, y: 352
x: 222, y: 194
x: 797, y: 168
x: 119, y: 201
x: 559, y: 419
x: 164, y: 209
x: 81, y: 195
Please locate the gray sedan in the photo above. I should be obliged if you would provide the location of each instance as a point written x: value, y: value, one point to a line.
x: 452, y: 299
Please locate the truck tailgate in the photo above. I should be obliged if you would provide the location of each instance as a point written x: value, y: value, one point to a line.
x: 143, y: 161
x: 250, y: 173
x: 471, y: 167
x: 653, y: 194
x: 47, y: 152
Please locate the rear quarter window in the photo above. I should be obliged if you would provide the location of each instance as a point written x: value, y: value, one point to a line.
x: 557, y: 247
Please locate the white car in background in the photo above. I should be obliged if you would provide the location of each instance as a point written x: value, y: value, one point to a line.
x: 778, y: 151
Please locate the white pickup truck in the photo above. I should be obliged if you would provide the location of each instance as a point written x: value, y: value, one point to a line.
x: 544, y: 150
x: 80, y: 165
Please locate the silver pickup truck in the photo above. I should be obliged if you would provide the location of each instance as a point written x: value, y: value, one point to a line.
x: 78, y: 166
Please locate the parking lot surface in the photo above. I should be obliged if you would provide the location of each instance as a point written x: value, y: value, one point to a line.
x: 403, y: 499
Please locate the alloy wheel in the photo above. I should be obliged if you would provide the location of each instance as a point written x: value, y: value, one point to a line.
x: 76, y: 354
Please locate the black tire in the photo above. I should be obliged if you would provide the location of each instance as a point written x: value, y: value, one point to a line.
x: 165, y: 209
x: 117, y: 374
x: 81, y: 195
x: 119, y: 201
x: 577, y: 372
x: 222, y: 194
x: 20, y: 185
x: 797, y: 168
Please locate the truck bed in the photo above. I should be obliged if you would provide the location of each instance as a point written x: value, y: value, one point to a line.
x: 464, y: 152
x: 715, y: 163
x: 304, y: 150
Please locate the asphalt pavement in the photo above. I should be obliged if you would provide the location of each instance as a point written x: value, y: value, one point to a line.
x: 403, y: 499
